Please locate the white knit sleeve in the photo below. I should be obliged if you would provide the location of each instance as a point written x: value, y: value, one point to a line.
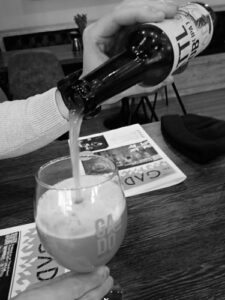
x: 26, y: 125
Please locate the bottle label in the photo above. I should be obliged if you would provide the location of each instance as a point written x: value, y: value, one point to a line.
x: 190, y: 32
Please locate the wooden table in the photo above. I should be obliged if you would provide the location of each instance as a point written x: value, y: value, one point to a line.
x: 175, y: 242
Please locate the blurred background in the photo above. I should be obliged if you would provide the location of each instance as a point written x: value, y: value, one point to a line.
x: 40, y: 26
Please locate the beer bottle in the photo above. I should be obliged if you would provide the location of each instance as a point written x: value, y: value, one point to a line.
x: 147, y: 54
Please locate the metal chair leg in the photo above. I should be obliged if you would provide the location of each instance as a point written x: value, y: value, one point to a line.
x: 166, y: 95
x: 179, y: 99
x: 137, y: 107
x: 154, y: 115
x: 125, y: 109
x: 145, y: 111
x: 154, y: 105
x: 131, y: 114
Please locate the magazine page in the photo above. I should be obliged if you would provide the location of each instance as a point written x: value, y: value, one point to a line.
x: 142, y: 165
x: 23, y: 260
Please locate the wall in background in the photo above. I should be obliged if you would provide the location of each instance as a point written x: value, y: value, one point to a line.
x: 19, y: 14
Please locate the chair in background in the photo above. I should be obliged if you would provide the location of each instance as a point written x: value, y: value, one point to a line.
x: 32, y: 72
x: 139, y: 108
x: 152, y: 106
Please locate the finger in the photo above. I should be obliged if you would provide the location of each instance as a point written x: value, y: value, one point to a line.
x: 127, y: 14
x: 169, y: 80
x: 78, y: 285
x: 168, y: 6
x: 70, y: 286
x: 97, y: 35
x: 100, y: 292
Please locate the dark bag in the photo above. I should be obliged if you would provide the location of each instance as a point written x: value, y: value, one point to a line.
x: 198, y: 137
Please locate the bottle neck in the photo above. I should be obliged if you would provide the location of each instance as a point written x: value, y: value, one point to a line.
x: 140, y: 61
x: 116, y: 75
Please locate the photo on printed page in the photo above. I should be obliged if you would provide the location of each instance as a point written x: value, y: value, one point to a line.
x: 132, y: 155
x: 93, y: 144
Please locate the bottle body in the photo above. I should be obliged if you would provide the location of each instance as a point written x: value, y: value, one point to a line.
x: 190, y: 32
x: 148, y: 53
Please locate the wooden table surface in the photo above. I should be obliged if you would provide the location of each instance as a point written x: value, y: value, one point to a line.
x: 175, y: 242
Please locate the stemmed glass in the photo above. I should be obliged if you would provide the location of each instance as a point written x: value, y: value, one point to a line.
x: 80, y: 227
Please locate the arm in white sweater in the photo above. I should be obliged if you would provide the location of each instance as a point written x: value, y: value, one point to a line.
x: 26, y: 125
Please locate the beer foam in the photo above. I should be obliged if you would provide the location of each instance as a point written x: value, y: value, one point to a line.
x: 60, y: 216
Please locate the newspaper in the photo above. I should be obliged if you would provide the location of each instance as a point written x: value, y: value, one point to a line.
x: 23, y: 260
x: 142, y: 165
